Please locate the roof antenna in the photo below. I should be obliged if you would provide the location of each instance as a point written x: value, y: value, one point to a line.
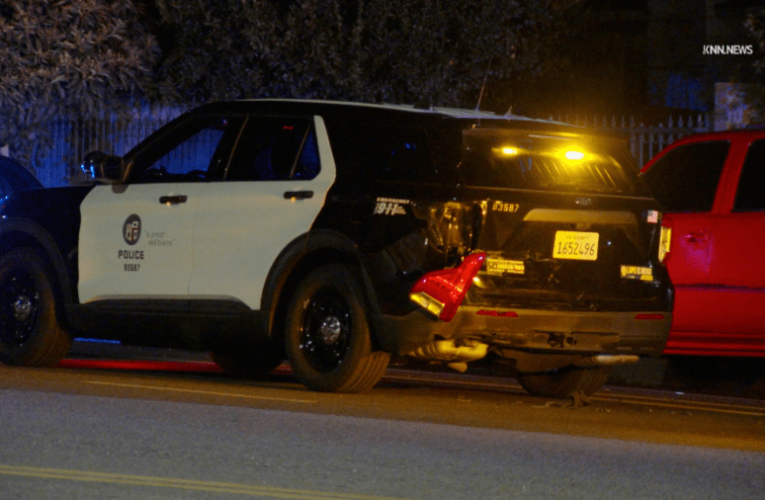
x: 485, y: 77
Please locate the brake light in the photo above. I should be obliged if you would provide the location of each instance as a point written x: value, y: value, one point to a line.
x: 665, y: 239
x: 441, y: 292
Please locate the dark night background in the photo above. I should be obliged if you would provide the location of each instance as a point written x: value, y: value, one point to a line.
x: 639, y: 57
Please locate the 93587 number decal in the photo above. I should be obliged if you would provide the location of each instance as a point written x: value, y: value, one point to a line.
x: 575, y: 245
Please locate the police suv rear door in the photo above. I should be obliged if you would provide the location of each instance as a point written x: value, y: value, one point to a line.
x: 274, y: 188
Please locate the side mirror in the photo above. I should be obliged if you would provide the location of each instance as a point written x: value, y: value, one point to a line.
x: 101, y: 166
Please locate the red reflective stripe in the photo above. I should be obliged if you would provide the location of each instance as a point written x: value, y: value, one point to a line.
x: 492, y: 312
x: 649, y: 316
x: 165, y: 366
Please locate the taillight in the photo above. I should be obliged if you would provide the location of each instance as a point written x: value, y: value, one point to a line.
x: 665, y: 239
x: 441, y: 292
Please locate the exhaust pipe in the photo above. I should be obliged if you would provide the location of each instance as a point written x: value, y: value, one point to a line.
x: 606, y: 360
x: 456, y: 356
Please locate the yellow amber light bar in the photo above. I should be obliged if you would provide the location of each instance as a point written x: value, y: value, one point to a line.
x: 507, y: 151
x: 573, y: 155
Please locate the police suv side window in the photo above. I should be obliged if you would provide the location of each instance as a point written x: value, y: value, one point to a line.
x: 686, y: 178
x: 750, y: 196
x: 196, y: 151
x: 275, y: 149
x: 399, y: 154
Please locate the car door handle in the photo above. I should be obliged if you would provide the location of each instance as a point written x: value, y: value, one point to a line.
x: 298, y: 195
x: 696, y: 237
x: 173, y: 200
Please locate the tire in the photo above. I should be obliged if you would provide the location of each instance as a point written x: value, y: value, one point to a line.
x: 252, y: 364
x: 564, y: 382
x: 30, y: 333
x: 327, y: 334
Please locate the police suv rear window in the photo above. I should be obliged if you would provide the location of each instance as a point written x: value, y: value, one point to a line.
x: 505, y: 159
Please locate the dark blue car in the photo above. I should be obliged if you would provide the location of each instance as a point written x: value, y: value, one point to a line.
x: 14, y: 177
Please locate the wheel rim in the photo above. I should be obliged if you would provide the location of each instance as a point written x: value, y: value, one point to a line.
x: 325, y: 330
x: 19, y: 307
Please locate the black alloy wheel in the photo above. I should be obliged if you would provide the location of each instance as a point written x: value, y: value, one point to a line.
x: 327, y: 334
x: 19, y: 307
x: 30, y: 332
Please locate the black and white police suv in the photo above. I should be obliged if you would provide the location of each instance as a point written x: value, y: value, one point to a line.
x: 338, y: 234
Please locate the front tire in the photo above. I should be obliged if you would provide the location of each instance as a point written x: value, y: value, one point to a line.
x: 327, y: 333
x: 564, y: 382
x: 30, y: 333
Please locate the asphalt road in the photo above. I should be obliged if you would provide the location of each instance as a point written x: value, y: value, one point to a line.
x: 102, y: 429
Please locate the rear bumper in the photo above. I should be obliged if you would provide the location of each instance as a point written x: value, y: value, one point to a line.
x: 549, y: 332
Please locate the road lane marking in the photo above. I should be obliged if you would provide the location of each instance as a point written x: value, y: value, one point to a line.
x: 196, y: 391
x: 604, y: 396
x: 709, y: 403
x: 599, y: 396
x: 510, y: 386
x: 685, y: 407
x: 183, y: 484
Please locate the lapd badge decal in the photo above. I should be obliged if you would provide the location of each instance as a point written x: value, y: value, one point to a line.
x: 131, y: 230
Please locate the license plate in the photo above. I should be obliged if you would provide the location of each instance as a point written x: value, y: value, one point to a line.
x: 575, y: 245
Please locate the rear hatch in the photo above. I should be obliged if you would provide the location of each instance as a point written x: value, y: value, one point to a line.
x: 565, y: 221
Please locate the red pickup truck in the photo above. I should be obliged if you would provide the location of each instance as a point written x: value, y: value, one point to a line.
x: 712, y: 187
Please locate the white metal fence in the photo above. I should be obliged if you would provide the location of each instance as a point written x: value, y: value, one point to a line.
x: 73, y: 138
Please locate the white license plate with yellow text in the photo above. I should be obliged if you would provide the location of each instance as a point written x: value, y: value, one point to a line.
x: 575, y: 245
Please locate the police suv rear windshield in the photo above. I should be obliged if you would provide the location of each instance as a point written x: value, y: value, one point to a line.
x: 550, y: 162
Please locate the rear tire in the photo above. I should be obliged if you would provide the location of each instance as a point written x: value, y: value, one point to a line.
x: 30, y: 333
x: 564, y: 382
x: 327, y: 333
